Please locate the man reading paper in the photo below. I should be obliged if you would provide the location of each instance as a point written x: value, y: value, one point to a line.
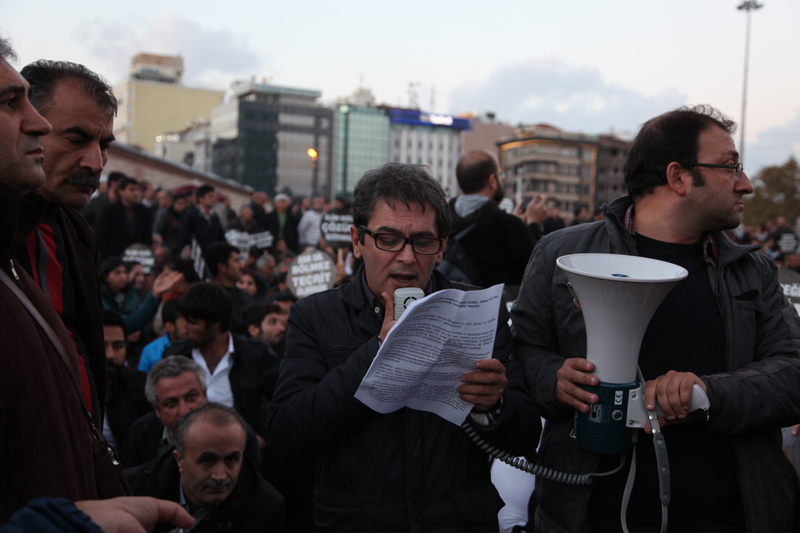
x: 408, y: 470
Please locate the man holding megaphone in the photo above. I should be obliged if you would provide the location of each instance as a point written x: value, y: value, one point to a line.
x: 726, y: 328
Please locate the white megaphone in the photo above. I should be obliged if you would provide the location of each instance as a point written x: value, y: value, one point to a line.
x: 618, y: 295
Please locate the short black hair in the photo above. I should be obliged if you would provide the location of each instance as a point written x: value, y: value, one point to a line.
x: 115, y: 177
x: 113, y: 319
x: 203, y: 190
x: 399, y: 182
x: 169, y: 311
x: 109, y: 265
x: 45, y: 75
x: 124, y: 182
x: 474, y: 169
x: 283, y: 296
x: 208, y: 302
x: 253, y: 314
x: 667, y: 138
x: 216, y: 253
x: 185, y: 267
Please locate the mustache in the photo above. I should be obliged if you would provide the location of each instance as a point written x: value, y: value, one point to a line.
x: 83, y: 178
x: 216, y: 485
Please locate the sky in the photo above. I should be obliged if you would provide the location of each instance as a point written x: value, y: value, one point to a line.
x: 582, y: 65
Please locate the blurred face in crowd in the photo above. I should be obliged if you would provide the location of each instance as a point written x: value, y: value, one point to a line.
x: 319, y: 203
x: 213, y: 458
x: 388, y: 271
x: 179, y: 205
x: 231, y: 271
x: 77, y: 149
x: 148, y: 191
x: 246, y: 215
x: 117, y: 279
x: 177, y: 396
x: 136, y: 276
x: 21, y: 126
x: 305, y: 204
x: 208, y: 200
x: 248, y: 284
x: 164, y: 200
x: 273, y: 328
x: 130, y: 195
x: 114, y: 338
x: 176, y: 329
x: 197, y: 333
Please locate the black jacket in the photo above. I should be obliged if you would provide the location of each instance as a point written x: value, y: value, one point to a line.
x: 252, y: 377
x: 144, y: 435
x: 405, y: 471
x: 759, y: 393
x: 500, y: 245
x: 127, y: 402
x: 289, y: 229
x: 253, y: 505
x: 115, y: 232
x: 194, y: 223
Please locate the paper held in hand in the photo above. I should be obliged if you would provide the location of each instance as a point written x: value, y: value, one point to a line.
x: 437, y: 340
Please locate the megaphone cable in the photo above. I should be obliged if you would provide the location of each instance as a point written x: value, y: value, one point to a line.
x: 537, y: 470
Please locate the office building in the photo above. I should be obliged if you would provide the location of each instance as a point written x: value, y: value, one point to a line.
x: 362, y: 143
x: 428, y: 139
x: 544, y: 159
x: 275, y: 139
x: 153, y: 100
x: 611, y: 155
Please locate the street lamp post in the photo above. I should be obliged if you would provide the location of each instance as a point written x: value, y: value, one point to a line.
x: 747, y: 5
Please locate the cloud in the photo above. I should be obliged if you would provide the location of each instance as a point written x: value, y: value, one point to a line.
x: 573, y: 99
x: 211, y: 57
x: 773, y: 146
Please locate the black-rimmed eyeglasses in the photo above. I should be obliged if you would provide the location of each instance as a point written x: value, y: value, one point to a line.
x: 389, y: 242
x: 737, y: 168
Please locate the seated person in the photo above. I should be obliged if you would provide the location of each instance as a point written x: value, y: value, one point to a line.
x: 267, y: 323
x: 240, y: 373
x: 175, y: 386
x: 209, y: 475
x: 153, y: 352
x: 125, y: 399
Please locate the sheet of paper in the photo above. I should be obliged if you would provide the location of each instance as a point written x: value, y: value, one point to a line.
x: 437, y: 340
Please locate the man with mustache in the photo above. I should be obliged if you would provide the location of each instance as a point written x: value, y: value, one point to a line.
x: 408, y: 470
x: 60, y: 255
x: 210, y: 475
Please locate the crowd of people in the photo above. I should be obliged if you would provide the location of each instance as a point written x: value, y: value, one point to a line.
x: 134, y: 368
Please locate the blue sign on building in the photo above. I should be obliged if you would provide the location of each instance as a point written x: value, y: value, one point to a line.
x: 420, y: 118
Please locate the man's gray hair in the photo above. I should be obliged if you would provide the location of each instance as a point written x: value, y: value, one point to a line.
x: 399, y: 182
x: 7, y: 53
x: 171, y: 367
x: 217, y: 414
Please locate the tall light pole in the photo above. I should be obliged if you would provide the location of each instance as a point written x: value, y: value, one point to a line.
x: 747, y: 5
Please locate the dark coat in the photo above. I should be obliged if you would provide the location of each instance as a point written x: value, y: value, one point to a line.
x: 759, y: 393
x: 253, y: 505
x: 127, y: 402
x: 404, y: 471
x: 166, y: 224
x: 115, y: 233
x: 86, y: 318
x: 206, y: 232
x: 144, y: 435
x: 44, y: 439
x: 252, y: 377
x: 500, y: 245
x: 289, y: 229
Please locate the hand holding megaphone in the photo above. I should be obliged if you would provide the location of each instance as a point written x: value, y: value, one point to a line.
x: 673, y: 396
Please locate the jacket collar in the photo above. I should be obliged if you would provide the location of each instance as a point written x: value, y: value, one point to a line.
x: 18, y: 217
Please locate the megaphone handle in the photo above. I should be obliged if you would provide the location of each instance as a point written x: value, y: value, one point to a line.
x: 699, y: 397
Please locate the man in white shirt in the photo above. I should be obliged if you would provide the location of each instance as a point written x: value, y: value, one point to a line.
x: 240, y: 373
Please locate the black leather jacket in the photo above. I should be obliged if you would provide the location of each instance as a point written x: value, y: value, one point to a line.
x: 405, y: 471
x: 759, y: 394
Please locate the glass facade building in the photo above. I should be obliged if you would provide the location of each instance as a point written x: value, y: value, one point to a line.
x: 362, y: 143
x: 262, y: 134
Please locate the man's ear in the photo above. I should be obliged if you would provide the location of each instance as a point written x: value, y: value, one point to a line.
x: 178, y: 459
x: 253, y: 331
x: 678, y: 178
x: 440, y: 255
x: 356, y: 242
